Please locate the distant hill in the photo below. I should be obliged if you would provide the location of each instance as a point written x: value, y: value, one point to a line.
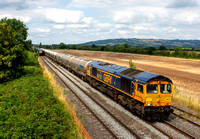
x: 148, y: 42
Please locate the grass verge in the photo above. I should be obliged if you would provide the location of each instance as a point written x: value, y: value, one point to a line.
x: 59, y: 93
x: 186, y: 101
x: 29, y: 109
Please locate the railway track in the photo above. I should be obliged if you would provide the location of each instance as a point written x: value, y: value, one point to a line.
x: 185, y: 119
x: 171, y: 126
x: 113, y: 134
x: 186, y: 112
x: 177, y: 129
x: 195, y: 124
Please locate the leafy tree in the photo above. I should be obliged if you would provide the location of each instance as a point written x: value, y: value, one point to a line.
x: 162, y: 48
x: 102, y: 48
x: 120, y: 48
x: 151, y: 50
x: 93, y: 46
x: 40, y: 46
x: 20, y: 29
x: 12, y: 54
x: 83, y: 47
x: 73, y: 46
x: 126, y: 46
x: 28, y: 45
x: 177, y: 51
x: 62, y: 45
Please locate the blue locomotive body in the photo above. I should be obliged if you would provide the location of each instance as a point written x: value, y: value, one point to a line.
x: 110, y: 75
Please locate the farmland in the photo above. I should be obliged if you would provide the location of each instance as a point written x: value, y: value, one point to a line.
x: 185, y: 73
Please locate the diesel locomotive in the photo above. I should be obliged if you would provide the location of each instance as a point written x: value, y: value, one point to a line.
x: 38, y: 50
x: 146, y: 94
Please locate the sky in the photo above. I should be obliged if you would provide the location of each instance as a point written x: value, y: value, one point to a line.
x: 79, y: 21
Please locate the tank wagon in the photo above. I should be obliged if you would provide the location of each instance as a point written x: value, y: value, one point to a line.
x: 147, y: 94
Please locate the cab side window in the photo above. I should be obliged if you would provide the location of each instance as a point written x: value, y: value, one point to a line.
x: 140, y: 88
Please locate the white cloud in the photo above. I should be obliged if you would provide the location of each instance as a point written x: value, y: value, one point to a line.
x: 78, y: 26
x: 91, y: 3
x: 25, y: 19
x: 61, y: 15
x: 140, y: 15
x: 139, y: 28
x: 104, y: 25
x: 121, y: 26
x: 40, y: 30
x: 77, y: 21
x: 124, y: 16
x: 187, y: 18
x: 115, y: 4
x: 123, y: 32
x: 58, y: 26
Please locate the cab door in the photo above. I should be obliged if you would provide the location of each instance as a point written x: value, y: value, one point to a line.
x: 139, y: 92
x: 133, y: 88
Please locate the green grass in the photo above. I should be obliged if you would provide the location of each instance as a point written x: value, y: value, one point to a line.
x: 29, y: 109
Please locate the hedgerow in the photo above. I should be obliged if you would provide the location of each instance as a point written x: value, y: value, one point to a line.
x: 29, y: 109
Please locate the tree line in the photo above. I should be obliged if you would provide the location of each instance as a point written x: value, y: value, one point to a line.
x: 125, y: 48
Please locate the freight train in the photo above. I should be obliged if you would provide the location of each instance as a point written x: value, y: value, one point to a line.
x: 146, y: 94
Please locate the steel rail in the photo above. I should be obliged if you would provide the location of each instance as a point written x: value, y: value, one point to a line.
x: 71, y: 90
x: 177, y: 129
x: 103, y: 107
x: 186, y: 112
x: 186, y: 119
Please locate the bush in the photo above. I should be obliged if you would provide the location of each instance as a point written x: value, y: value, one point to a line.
x: 131, y: 65
x: 12, y: 56
x: 29, y: 108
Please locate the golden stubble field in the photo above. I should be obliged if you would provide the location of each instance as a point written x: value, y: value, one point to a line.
x: 185, y: 73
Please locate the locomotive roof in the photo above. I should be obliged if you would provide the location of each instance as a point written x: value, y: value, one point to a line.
x: 112, y: 68
x: 129, y: 73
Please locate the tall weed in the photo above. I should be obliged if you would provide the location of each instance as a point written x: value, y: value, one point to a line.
x: 186, y: 100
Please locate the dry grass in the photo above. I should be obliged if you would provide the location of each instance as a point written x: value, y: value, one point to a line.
x: 59, y: 93
x: 186, y: 100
